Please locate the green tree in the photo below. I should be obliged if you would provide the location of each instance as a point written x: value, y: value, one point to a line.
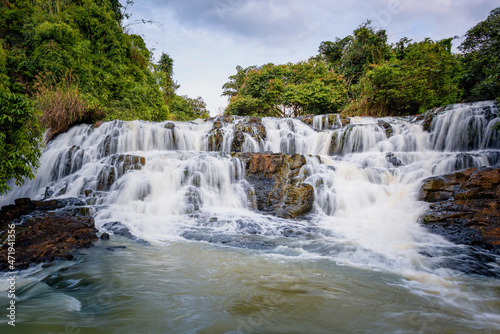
x: 286, y: 90
x: 353, y: 55
x: 232, y: 87
x: 481, y: 49
x: 185, y: 108
x: 426, y: 76
x: 20, y: 139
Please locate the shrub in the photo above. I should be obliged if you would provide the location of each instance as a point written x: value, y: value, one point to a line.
x: 20, y: 139
x: 62, y: 104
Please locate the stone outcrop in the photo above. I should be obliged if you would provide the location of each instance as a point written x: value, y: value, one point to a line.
x: 252, y: 126
x: 335, y: 121
x: 116, y: 166
x: 45, y: 231
x: 465, y: 206
x: 277, y: 186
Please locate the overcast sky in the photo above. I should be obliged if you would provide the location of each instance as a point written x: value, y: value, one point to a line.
x: 208, y: 38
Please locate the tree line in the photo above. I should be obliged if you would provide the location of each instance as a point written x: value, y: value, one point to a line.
x: 362, y: 74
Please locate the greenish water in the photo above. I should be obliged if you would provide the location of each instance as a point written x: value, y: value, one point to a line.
x: 193, y: 287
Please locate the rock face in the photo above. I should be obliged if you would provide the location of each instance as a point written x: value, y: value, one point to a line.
x: 45, y: 231
x: 278, y: 189
x: 465, y: 206
x: 250, y: 126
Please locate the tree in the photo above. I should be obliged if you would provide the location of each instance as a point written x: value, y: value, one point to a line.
x: 481, y: 49
x: 232, y: 87
x: 20, y: 139
x: 286, y: 90
x: 165, y: 69
x: 426, y: 76
x: 185, y: 108
x: 353, y: 55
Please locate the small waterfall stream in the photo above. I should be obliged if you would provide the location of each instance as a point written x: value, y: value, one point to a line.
x: 215, y: 265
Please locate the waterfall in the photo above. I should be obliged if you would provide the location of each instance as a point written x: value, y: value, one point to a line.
x: 365, y: 174
x: 172, y: 182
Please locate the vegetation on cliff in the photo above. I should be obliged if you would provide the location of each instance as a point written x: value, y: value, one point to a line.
x: 72, y: 62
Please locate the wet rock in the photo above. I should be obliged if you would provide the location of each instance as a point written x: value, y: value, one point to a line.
x: 392, y: 159
x: 105, y: 236
x: 465, y: 206
x: 251, y: 126
x: 386, y: 127
x: 276, y: 187
x: 216, y: 134
x: 119, y: 229
x: 428, y: 118
x: 115, y: 167
x: 169, y: 126
x: 238, y: 140
x: 45, y: 231
x: 335, y: 121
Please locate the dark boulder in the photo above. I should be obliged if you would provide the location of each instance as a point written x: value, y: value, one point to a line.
x: 276, y: 186
x: 44, y: 231
x: 115, y: 167
x: 465, y: 206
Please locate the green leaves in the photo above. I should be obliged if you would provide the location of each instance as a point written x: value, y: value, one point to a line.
x: 285, y: 90
x: 425, y: 77
x: 20, y: 139
x: 481, y: 49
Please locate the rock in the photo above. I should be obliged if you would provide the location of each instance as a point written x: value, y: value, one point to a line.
x: 335, y: 121
x: 116, y: 166
x: 386, y: 127
x: 45, y: 231
x: 169, y: 126
x: 429, y: 116
x: 119, y: 229
x: 105, y: 236
x: 238, y: 140
x: 277, y: 188
x: 392, y: 159
x: 251, y: 126
x: 216, y: 135
x: 465, y: 206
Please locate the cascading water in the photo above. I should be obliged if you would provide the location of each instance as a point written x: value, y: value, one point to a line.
x: 362, y: 242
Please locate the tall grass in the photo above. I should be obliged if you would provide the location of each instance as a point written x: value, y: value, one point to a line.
x: 62, y: 103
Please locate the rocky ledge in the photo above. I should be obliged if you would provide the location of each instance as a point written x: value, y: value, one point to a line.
x: 465, y: 207
x: 44, y: 231
x: 277, y: 185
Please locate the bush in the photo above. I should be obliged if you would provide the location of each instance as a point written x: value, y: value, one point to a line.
x: 20, y: 139
x: 62, y: 104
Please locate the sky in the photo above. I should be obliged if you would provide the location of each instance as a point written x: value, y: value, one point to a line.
x: 207, y: 39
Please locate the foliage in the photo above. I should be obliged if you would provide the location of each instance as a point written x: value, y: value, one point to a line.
x: 185, y: 108
x: 352, y: 55
x: 20, y: 139
x: 115, y: 70
x: 400, y: 79
x: 285, y: 90
x: 426, y: 76
x: 61, y: 102
x: 481, y: 49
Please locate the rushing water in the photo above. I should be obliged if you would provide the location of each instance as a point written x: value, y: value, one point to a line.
x: 360, y: 262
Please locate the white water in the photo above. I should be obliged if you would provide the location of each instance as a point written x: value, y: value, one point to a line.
x: 366, y: 183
